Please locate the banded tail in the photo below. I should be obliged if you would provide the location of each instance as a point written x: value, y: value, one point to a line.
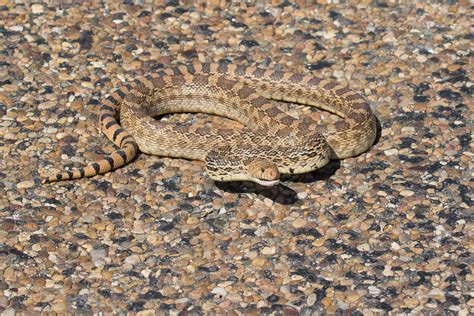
x: 107, y: 116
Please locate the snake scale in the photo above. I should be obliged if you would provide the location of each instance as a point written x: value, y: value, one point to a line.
x: 270, y: 144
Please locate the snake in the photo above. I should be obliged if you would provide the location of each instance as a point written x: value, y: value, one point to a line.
x: 270, y: 143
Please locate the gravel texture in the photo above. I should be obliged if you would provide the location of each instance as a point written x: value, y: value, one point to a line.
x: 388, y: 231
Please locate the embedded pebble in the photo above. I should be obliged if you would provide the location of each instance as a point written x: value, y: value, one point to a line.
x: 269, y: 250
x: 311, y: 299
x: 9, y: 312
x: 133, y: 259
x: 25, y: 184
x: 406, y: 193
x: 302, y: 195
x: 437, y: 294
x: 219, y: 291
x: 299, y: 223
x: 37, y: 8
x: 391, y: 152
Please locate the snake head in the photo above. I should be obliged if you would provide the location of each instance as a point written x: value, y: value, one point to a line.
x: 229, y: 163
x: 262, y: 160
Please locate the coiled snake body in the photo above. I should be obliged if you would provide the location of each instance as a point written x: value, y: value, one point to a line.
x: 271, y: 143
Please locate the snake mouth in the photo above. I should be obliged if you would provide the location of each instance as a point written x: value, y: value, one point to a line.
x: 266, y: 183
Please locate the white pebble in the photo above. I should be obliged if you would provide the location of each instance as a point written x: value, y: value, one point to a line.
x: 219, y: 291
x: 391, y: 152
x: 37, y: 8
x: 302, y: 195
x: 395, y: 246
x: 269, y: 250
x: 311, y: 300
x: 406, y: 193
x: 374, y: 290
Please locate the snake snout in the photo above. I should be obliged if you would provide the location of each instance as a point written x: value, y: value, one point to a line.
x: 264, y: 172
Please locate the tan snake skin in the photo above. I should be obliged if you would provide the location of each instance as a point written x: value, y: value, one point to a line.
x: 271, y: 143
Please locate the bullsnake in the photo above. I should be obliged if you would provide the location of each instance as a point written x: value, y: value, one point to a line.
x: 271, y: 143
